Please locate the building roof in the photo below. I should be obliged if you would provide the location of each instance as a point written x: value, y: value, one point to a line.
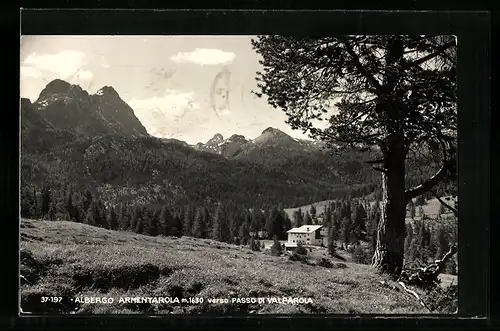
x: 305, y: 229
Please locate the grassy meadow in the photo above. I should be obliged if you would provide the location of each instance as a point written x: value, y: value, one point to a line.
x: 72, y: 260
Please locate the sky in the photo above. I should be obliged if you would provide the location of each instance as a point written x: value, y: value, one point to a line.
x: 183, y: 87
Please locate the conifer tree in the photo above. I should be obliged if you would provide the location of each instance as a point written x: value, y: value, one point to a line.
x: 188, y: 220
x: 178, y: 224
x: 298, y: 218
x: 165, y: 224
x: 331, y: 240
x: 327, y: 221
x: 153, y: 228
x: 46, y: 200
x: 276, y: 248
x: 123, y: 217
x: 136, y: 218
x: 244, y: 234
x: 287, y: 223
x: 220, y: 228
x: 359, y: 221
x: 313, y: 211
x: 140, y: 224
x: 87, y: 200
x: 27, y: 203
x: 307, y: 218
x: 346, y: 230
x: 69, y: 207
x: 92, y: 214
x: 199, y: 226
x: 112, y: 220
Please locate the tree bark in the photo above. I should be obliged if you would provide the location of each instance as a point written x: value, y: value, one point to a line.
x: 389, y: 252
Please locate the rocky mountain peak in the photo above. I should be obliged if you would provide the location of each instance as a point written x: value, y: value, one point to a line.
x: 272, y: 131
x: 108, y: 91
x: 218, y: 137
x: 237, y: 138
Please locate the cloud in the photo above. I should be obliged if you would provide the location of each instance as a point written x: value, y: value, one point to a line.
x: 204, y: 56
x: 173, y: 101
x: 84, y: 75
x: 169, y: 114
x: 65, y: 65
x: 30, y: 72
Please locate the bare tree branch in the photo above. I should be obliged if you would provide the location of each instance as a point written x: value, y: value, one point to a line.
x: 438, y: 51
x: 430, y: 183
x: 454, y: 210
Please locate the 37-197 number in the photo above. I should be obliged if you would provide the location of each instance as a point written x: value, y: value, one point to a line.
x: 51, y: 299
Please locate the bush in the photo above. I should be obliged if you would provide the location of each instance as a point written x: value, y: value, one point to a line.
x: 254, y: 245
x: 360, y: 255
x: 276, y: 248
x: 299, y: 257
x: 325, y: 263
x: 301, y: 250
x: 340, y: 265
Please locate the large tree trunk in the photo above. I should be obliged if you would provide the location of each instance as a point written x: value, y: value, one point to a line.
x: 389, y: 252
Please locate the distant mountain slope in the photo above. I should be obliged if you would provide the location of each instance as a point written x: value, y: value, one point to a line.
x: 72, y: 138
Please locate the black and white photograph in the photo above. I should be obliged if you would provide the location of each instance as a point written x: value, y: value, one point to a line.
x: 238, y: 174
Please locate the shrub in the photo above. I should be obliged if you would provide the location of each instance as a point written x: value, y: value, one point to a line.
x: 299, y: 257
x: 301, y: 250
x: 360, y: 255
x: 340, y: 265
x: 254, y: 245
x: 325, y: 263
x: 276, y: 248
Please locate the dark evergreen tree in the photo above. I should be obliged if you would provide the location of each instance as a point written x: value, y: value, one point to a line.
x: 112, y: 219
x: 220, y: 228
x: 287, y: 224
x: 123, y: 217
x: 307, y: 218
x: 244, y: 234
x: 298, y: 218
x: 87, y: 200
x: 331, y: 240
x: 27, y: 203
x: 359, y: 222
x: 346, y: 230
x: 136, y: 218
x: 153, y: 228
x: 92, y: 214
x: 101, y: 215
x: 275, y: 224
x: 46, y: 200
x: 178, y: 224
x: 276, y: 248
x: 188, y: 220
x: 166, y: 223
x: 199, y: 227
x: 142, y: 221
x: 69, y: 206
x: 313, y: 212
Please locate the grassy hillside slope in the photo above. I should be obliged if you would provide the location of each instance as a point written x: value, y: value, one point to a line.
x: 72, y: 259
